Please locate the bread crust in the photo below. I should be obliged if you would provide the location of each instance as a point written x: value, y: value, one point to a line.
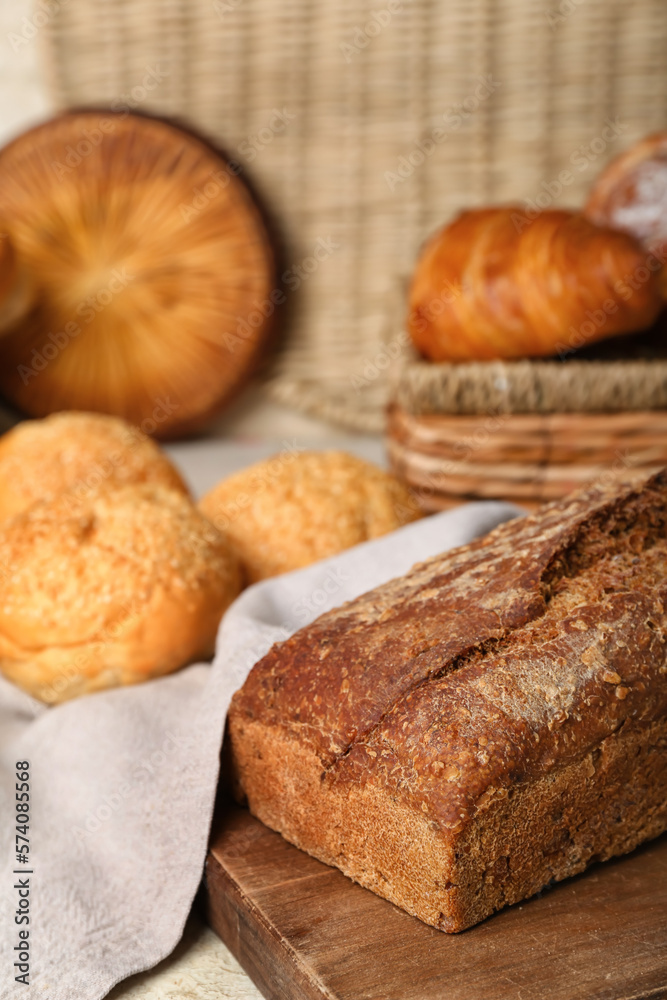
x: 456, y: 739
x: 125, y: 586
x: 81, y: 454
x: 494, y: 283
x: 631, y: 195
x: 296, y: 508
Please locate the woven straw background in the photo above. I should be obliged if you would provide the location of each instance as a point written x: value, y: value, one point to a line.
x: 356, y: 98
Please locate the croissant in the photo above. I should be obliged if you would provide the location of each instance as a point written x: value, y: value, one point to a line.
x: 631, y: 195
x: 496, y: 284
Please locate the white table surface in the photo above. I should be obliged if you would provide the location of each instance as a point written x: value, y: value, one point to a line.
x: 201, y: 968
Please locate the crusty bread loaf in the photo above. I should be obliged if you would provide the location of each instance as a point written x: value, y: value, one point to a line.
x: 458, y: 738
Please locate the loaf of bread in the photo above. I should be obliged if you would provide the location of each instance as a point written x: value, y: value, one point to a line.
x: 496, y: 719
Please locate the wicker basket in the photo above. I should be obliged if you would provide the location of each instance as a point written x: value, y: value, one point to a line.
x: 524, y: 431
x: 332, y: 108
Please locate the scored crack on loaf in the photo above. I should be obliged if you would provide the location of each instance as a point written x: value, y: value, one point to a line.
x: 118, y: 588
x: 459, y: 737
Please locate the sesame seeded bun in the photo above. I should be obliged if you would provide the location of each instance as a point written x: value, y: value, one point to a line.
x: 296, y: 508
x: 79, y: 453
x: 124, y: 586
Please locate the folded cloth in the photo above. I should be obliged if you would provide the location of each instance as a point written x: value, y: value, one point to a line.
x: 122, y: 783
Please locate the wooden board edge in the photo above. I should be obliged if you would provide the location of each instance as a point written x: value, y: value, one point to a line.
x: 252, y: 940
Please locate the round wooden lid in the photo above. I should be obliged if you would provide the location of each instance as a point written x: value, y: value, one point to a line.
x: 154, y: 269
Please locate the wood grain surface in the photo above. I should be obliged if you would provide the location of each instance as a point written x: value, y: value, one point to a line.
x: 304, y: 931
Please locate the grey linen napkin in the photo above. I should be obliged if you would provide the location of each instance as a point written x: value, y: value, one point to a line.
x: 122, y: 783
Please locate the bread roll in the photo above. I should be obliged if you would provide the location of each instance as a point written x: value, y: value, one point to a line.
x: 631, y: 195
x: 17, y: 291
x: 78, y: 453
x: 498, y: 284
x: 130, y: 585
x: 294, y: 509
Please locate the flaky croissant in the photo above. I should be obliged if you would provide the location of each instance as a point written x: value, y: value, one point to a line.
x: 498, y: 284
x: 631, y: 195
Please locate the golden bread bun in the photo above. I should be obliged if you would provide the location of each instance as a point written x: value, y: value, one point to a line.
x: 128, y: 586
x: 293, y: 509
x: 78, y: 453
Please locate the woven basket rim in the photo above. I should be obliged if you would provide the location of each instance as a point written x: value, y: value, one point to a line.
x: 531, y: 386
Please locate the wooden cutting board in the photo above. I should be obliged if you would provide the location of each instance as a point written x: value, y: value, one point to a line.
x: 303, y: 931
